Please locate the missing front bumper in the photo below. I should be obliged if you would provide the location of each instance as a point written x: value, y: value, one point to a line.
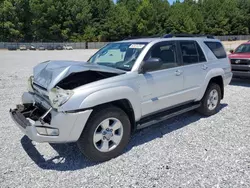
x: 29, y: 115
x: 49, y: 125
x: 19, y: 118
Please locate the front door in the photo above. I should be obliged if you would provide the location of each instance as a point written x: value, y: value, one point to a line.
x: 161, y: 88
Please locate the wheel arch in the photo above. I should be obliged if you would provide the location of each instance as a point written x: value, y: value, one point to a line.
x: 123, y: 104
x: 218, y: 80
x: 123, y: 97
x: 213, y: 76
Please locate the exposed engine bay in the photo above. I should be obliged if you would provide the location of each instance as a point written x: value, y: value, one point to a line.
x: 77, y: 79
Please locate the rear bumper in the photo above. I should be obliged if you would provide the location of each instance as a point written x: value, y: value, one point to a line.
x: 60, y: 127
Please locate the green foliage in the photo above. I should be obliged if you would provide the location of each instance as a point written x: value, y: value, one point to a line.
x: 102, y: 20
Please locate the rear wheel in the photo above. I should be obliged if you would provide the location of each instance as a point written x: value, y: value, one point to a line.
x: 210, y: 103
x: 106, y: 134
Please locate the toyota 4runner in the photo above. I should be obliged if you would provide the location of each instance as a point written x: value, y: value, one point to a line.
x: 125, y: 86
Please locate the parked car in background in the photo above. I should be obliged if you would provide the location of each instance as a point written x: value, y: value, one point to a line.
x: 67, y: 47
x: 126, y: 85
x: 50, y: 47
x: 59, y: 47
x: 41, y: 47
x: 233, y: 39
x: 32, y: 47
x: 23, y: 47
x: 240, y: 60
x: 12, y: 47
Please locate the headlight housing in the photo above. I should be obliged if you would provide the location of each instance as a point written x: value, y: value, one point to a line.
x: 58, y: 96
x: 30, y: 84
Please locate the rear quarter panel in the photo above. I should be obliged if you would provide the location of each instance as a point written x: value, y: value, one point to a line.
x: 216, y: 67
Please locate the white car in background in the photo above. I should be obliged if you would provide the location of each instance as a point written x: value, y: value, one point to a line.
x: 67, y: 47
x: 22, y: 47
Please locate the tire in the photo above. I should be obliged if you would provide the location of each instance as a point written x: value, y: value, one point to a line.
x: 205, y: 107
x: 100, y: 118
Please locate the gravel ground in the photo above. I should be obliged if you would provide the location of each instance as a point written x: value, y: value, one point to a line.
x: 186, y: 151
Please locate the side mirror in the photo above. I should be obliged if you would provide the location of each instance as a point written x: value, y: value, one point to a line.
x: 231, y: 51
x: 151, y: 64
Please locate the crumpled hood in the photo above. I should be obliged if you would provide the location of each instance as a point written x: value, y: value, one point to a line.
x: 49, y: 73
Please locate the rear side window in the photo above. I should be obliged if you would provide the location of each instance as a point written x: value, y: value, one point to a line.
x: 217, y: 49
x: 191, y: 52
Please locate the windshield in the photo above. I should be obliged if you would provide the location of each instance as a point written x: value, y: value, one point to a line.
x: 244, y: 48
x: 118, y: 55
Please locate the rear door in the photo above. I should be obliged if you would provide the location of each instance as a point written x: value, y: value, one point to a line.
x: 195, y: 68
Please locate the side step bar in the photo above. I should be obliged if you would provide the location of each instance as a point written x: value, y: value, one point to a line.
x: 150, y: 120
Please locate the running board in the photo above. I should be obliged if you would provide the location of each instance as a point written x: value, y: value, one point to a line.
x: 150, y: 120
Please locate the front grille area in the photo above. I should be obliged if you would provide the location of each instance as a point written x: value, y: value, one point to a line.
x: 42, y: 88
x: 240, y: 61
x: 40, y: 91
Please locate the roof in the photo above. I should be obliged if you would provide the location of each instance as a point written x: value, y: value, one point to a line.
x: 148, y: 40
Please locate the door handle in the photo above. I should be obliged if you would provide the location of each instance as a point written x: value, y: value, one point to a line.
x: 178, y: 72
x: 204, y: 67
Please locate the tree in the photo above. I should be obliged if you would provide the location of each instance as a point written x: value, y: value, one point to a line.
x: 185, y: 18
x: 102, y: 20
x: 151, y: 16
x: 99, y: 10
x: 12, y: 30
x: 118, y: 24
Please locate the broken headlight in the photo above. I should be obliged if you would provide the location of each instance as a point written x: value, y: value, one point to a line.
x: 30, y: 84
x: 59, y: 96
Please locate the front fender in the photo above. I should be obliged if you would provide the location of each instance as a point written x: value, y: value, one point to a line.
x: 114, y: 94
x: 211, y: 74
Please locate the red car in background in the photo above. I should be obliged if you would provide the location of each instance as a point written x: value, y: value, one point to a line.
x: 240, y: 60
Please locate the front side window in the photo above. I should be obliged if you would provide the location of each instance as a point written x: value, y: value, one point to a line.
x: 166, y: 52
x: 118, y: 55
x: 191, y: 52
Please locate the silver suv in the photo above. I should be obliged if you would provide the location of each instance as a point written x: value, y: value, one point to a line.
x: 125, y: 86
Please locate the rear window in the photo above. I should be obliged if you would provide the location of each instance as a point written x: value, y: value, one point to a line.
x: 217, y: 49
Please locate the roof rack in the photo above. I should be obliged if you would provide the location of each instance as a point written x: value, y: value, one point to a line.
x: 139, y: 37
x: 187, y: 35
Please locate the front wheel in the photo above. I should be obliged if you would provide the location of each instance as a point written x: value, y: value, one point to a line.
x: 105, y: 135
x: 210, y: 103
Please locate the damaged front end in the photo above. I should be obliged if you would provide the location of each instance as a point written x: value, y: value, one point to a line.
x: 46, y: 124
x: 42, y: 116
x: 75, y: 80
x: 27, y: 115
x: 70, y: 74
x: 56, y: 80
